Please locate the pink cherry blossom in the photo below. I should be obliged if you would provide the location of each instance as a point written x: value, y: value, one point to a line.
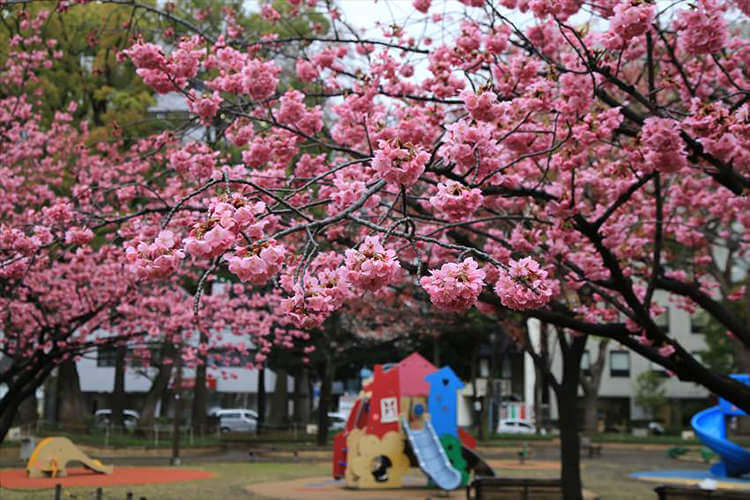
x: 455, y: 287
x: 523, y: 285
x: 632, y: 18
x: 704, y: 30
x: 455, y: 201
x: 371, y: 266
x: 257, y: 264
x: 666, y: 350
x: 664, y: 149
x: 399, y: 165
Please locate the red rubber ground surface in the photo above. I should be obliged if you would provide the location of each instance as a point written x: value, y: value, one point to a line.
x: 15, y: 479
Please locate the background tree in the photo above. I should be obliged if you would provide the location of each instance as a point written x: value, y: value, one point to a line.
x: 650, y: 393
x: 590, y: 381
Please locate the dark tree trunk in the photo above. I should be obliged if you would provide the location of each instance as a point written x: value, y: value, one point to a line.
x: 436, y: 350
x: 28, y: 416
x: 476, y: 401
x: 178, y: 409
x: 567, y: 399
x: 156, y: 392
x: 302, y: 397
x: 280, y: 400
x: 200, y: 394
x: 117, y: 403
x: 261, y: 400
x: 590, y: 413
x: 590, y: 384
x: 19, y: 389
x: 324, y: 404
x: 570, y: 445
x: 489, y: 396
x: 71, y: 407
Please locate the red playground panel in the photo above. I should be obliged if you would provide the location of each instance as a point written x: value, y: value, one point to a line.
x: 384, y: 402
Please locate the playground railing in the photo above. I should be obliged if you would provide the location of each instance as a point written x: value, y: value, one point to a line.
x: 522, y: 488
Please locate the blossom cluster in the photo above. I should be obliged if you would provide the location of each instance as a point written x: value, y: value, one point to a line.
x: 703, y: 28
x: 294, y: 113
x: 631, y: 19
x: 471, y: 146
x: 455, y: 287
x: 371, y: 266
x: 258, y: 263
x: 523, y: 285
x: 664, y: 150
x: 455, y: 201
x: 226, y: 219
x: 399, y: 165
x: 157, y: 259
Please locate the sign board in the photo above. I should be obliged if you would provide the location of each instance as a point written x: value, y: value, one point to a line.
x: 388, y: 410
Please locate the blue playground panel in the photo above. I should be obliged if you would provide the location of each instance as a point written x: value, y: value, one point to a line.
x: 710, y: 427
x: 442, y: 400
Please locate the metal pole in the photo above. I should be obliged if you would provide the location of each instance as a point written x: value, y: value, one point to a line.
x: 58, y: 491
x: 99, y: 494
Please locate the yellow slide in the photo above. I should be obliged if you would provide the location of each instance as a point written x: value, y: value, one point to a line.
x: 51, y: 457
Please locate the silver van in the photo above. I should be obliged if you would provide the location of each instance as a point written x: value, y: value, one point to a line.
x: 237, y: 420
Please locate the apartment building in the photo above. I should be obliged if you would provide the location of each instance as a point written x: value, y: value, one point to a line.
x: 617, y: 406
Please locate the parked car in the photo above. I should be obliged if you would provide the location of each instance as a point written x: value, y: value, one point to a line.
x: 336, y: 421
x: 237, y: 420
x: 656, y: 428
x: 103, y: 418
x: 515, y: 426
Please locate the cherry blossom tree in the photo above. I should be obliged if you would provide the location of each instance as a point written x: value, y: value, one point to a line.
x: 578, y: 160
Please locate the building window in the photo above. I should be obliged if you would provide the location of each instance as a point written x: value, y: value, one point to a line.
x: 506, y: 370
x: 484, y: 367
x: 619, y: 364
x: 586, y: 363
x: 106, y: 356
x: 662, y: 321
x: 699, y: 323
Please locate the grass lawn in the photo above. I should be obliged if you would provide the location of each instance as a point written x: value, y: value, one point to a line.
x: 607, y: 476
x: 228, y: 483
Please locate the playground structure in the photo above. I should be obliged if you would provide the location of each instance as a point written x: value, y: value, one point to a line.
x: 52, y: 455
x: 406, y: 415
x: 710, y: 427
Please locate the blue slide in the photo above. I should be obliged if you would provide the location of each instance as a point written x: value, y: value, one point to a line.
x: 710, y: 427
x: 431, y: 456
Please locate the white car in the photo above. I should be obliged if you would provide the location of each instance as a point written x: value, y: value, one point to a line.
x: 515, y: 426
x: 336, y: 421
x: 237, y: 420
x: 103, y: 418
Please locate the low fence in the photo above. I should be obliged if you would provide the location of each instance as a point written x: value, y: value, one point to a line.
x: 161, y: 435
x: 155, y: 436
x: 98, y: 494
